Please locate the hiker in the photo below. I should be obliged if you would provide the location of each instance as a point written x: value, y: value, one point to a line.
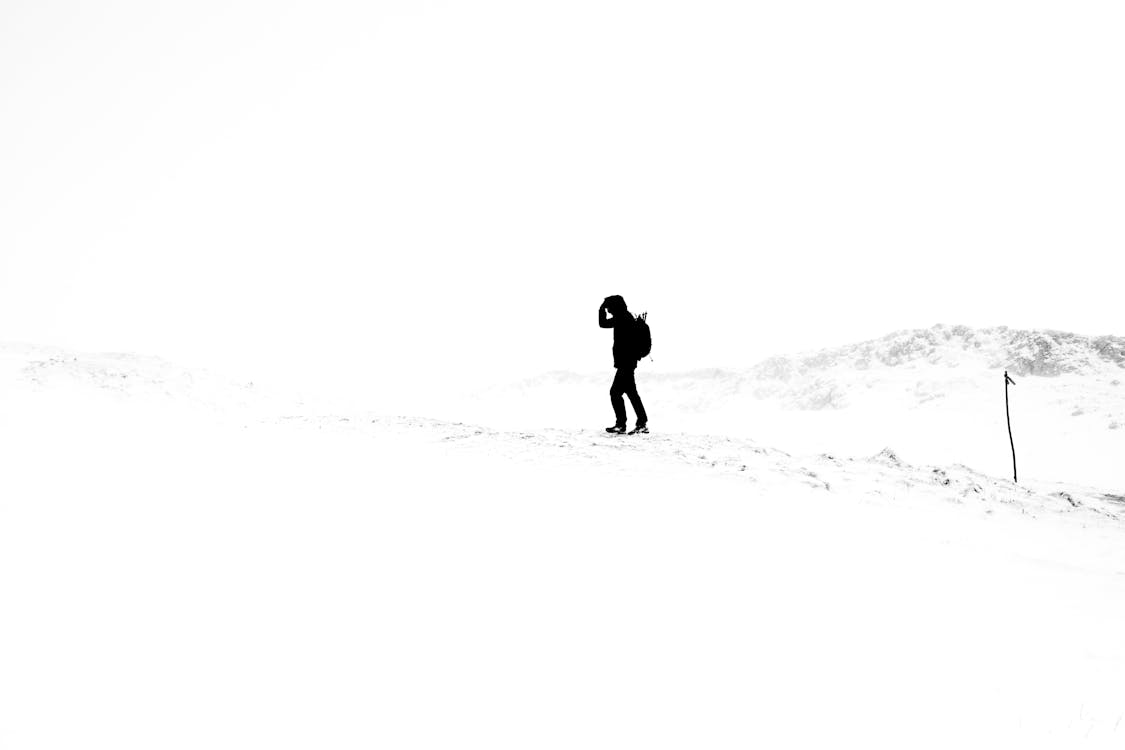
x: 624, y: 327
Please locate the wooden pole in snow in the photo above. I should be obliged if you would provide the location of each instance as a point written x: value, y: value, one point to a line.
x: 1008, y: 411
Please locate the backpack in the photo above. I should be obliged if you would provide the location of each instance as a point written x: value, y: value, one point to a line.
x: 642, y: 337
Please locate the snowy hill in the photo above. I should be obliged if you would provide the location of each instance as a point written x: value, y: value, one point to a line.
x: 176, y: 553
x: 838, y: 377
x: 1021, y: 352
x: 55, y: 375
x: 934, y: 395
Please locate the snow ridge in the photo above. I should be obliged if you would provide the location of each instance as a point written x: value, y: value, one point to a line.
x: 1043, y: 353
x: 881, y: 478
x: 120, y: 375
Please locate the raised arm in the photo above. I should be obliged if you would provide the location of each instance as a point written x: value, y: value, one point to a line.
x: 603, y: 321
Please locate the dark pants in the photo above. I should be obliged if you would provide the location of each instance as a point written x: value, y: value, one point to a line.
x: 625, y: 383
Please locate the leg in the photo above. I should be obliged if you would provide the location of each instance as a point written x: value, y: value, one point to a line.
x: 615, y: 391
x: 635, y: 399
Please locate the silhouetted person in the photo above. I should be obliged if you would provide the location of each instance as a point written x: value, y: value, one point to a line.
x: 625, y: 360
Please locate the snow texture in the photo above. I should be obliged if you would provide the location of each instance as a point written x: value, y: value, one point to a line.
x: 191, y: 562
x: 935, y: 395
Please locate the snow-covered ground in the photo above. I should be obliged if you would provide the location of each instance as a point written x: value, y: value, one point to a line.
x: 187, y: 562
x: 934, y: 395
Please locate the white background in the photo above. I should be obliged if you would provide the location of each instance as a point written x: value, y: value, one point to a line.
x: 402, y: 196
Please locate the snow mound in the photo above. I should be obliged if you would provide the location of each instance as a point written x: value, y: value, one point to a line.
x: 118, y: 376
x: 1021, y: 352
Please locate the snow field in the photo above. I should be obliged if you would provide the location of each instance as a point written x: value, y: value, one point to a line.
x: 179, y: 582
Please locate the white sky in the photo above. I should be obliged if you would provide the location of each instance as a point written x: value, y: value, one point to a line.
x: 383, y: 192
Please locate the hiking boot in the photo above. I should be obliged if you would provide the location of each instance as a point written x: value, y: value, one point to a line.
x: 641, y: 428
x: 616, y: 430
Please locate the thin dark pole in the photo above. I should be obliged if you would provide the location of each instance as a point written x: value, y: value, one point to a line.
x: 1008, y: 411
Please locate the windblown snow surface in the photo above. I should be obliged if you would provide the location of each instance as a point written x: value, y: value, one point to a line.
x: 934, y: 395
x: 188, y: 562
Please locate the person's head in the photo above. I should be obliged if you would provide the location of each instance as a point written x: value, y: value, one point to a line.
x: 616, y: 304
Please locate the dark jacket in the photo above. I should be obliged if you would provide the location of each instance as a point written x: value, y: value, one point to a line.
x: 623, y: 337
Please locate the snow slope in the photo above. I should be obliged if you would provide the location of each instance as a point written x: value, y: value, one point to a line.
x: 933, y: 395
x: 183, y: 571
